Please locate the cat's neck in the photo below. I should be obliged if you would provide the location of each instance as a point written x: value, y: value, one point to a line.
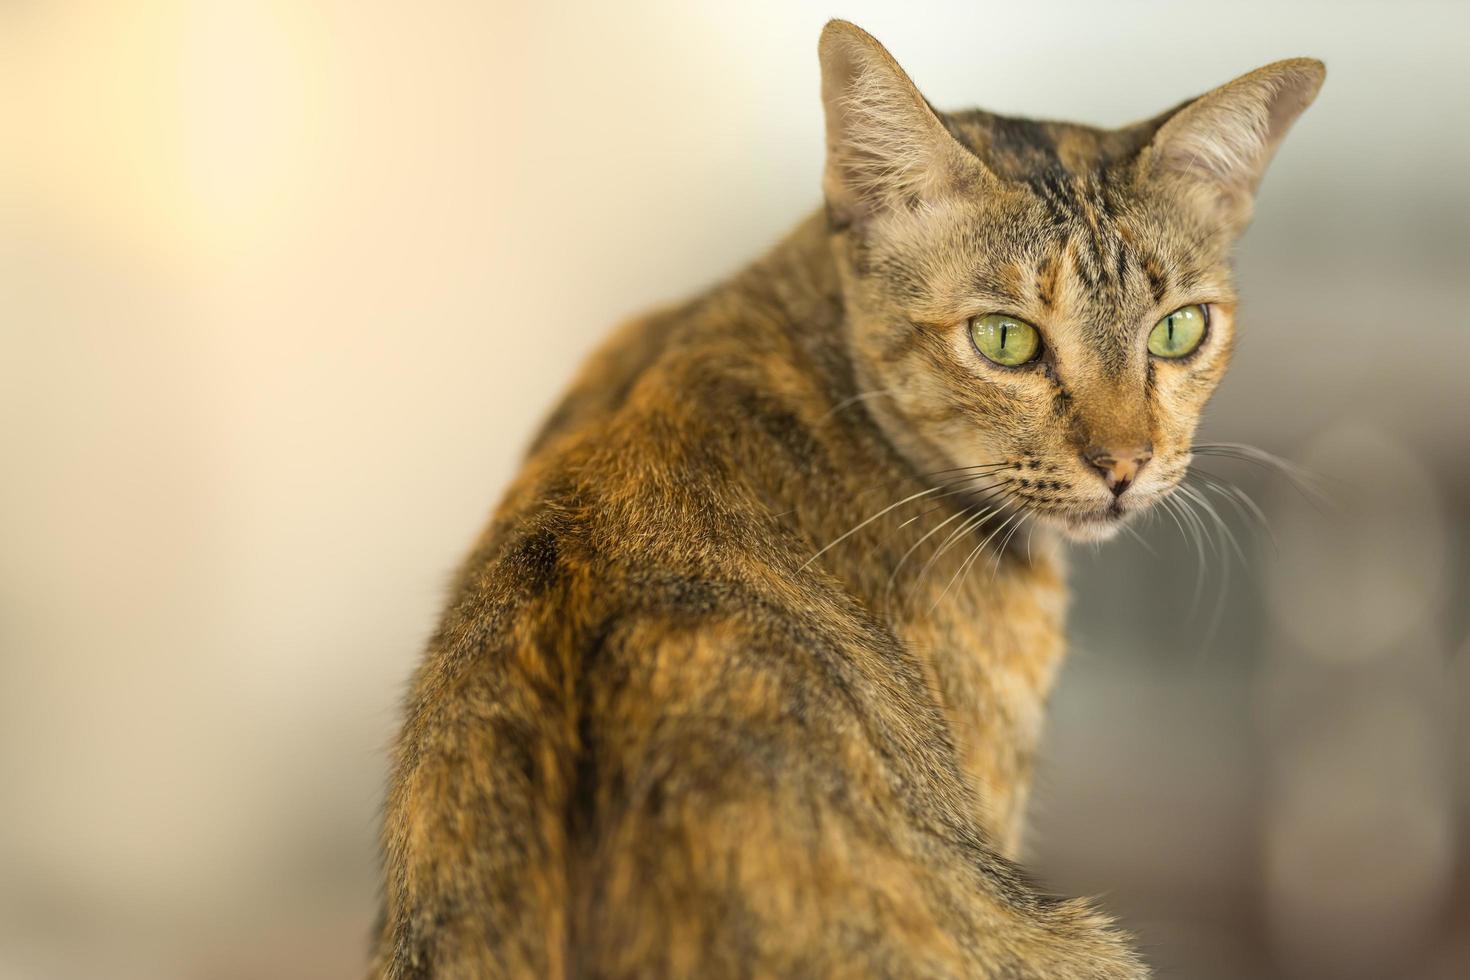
x: 978, y: 599
x: 798, y: 283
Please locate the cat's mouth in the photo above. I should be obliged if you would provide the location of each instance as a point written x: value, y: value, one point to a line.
x: 1083, y: 520
x: 1096, y: 525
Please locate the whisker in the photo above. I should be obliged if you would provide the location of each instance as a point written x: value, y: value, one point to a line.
x: 1212, y: 629
x: 965, y: 528
x: 1190, y: 529
x: 943, y: 489
x: 1140, y: 539
x: 888, y: 590
x: 970, y: 558
x: 951, y: 493
x: 981, y: 469
x: 1005, y: 542
x: 1191, y: 515
x: 1006, y: 464
x: 1164, y: 505
x: 959, y: 486
x: 1214, y: 515
x: 1224, y: 491
x: 1243, y: 503
x: 858, y: 527
x: 1303, y: 480
x: 1016, y: 518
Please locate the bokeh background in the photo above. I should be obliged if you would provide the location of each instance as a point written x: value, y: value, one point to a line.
x: 286, y: 286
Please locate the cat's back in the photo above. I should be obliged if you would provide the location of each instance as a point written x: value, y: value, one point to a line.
x: 633, y: 682
x: 650, y: 738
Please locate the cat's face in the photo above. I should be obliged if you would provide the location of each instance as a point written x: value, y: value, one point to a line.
x: 1088, y: 265
x: 1004, y: 280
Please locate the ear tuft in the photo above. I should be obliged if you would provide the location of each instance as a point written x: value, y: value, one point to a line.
x: 884, y: 144
x: 1223, y: 141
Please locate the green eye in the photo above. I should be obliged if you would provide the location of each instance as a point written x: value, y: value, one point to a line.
x: 1179, y: 333
x: 1004, y: 339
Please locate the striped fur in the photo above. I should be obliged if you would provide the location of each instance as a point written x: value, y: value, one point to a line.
x: 692, y: 710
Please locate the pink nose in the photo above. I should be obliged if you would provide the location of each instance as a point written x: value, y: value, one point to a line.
x: 1118, y: 467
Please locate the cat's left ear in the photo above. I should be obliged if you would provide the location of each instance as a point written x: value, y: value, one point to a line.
x: 1217, y: 147
x: 886, y: 148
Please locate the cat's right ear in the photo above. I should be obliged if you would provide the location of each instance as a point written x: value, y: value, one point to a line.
x: 886, y: 148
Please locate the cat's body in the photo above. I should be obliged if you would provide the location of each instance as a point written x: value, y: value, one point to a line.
x: 678, y: 721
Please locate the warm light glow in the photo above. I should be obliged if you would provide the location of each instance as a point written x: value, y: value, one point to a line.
x: 174, y: 128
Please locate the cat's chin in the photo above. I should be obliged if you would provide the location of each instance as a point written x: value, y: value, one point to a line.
x: 1092, y: 528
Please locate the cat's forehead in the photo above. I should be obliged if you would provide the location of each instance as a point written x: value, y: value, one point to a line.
x: 1072, y: 240
x: 1075, y: 201
x: 1075, y: 240
x: 1026, y: 149
x: 1064, y: 248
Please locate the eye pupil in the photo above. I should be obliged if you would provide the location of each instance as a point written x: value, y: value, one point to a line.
x: 1005, y: 328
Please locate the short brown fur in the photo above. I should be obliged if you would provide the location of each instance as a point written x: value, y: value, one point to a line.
x: 693, y: 710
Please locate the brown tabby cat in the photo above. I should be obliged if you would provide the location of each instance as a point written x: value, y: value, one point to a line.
x: 746, y: 675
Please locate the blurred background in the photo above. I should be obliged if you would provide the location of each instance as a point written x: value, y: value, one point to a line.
x: 285, y: 288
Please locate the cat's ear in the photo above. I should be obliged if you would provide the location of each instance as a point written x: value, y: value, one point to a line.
x: 1217, y: 147
x: 885, y: 146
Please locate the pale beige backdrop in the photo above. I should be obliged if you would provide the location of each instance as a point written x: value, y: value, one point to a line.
x: 285, y: 286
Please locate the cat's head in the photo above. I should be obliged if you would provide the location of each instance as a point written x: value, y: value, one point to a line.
x: 1048, y: 303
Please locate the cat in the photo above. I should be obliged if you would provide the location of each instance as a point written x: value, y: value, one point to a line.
x: 746, y: 675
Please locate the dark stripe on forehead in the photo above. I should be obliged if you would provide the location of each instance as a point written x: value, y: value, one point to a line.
x: 1103, y: 195
x: 1054, y: 188
x: 1158, y: 277
x: 1188, y: 280
x: 1099, y: 249
x: 1046, y: 280
x: 1012, y: 148
x: 1102, y: 317
x: 1024, y: 141
x: 1082, y: 264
